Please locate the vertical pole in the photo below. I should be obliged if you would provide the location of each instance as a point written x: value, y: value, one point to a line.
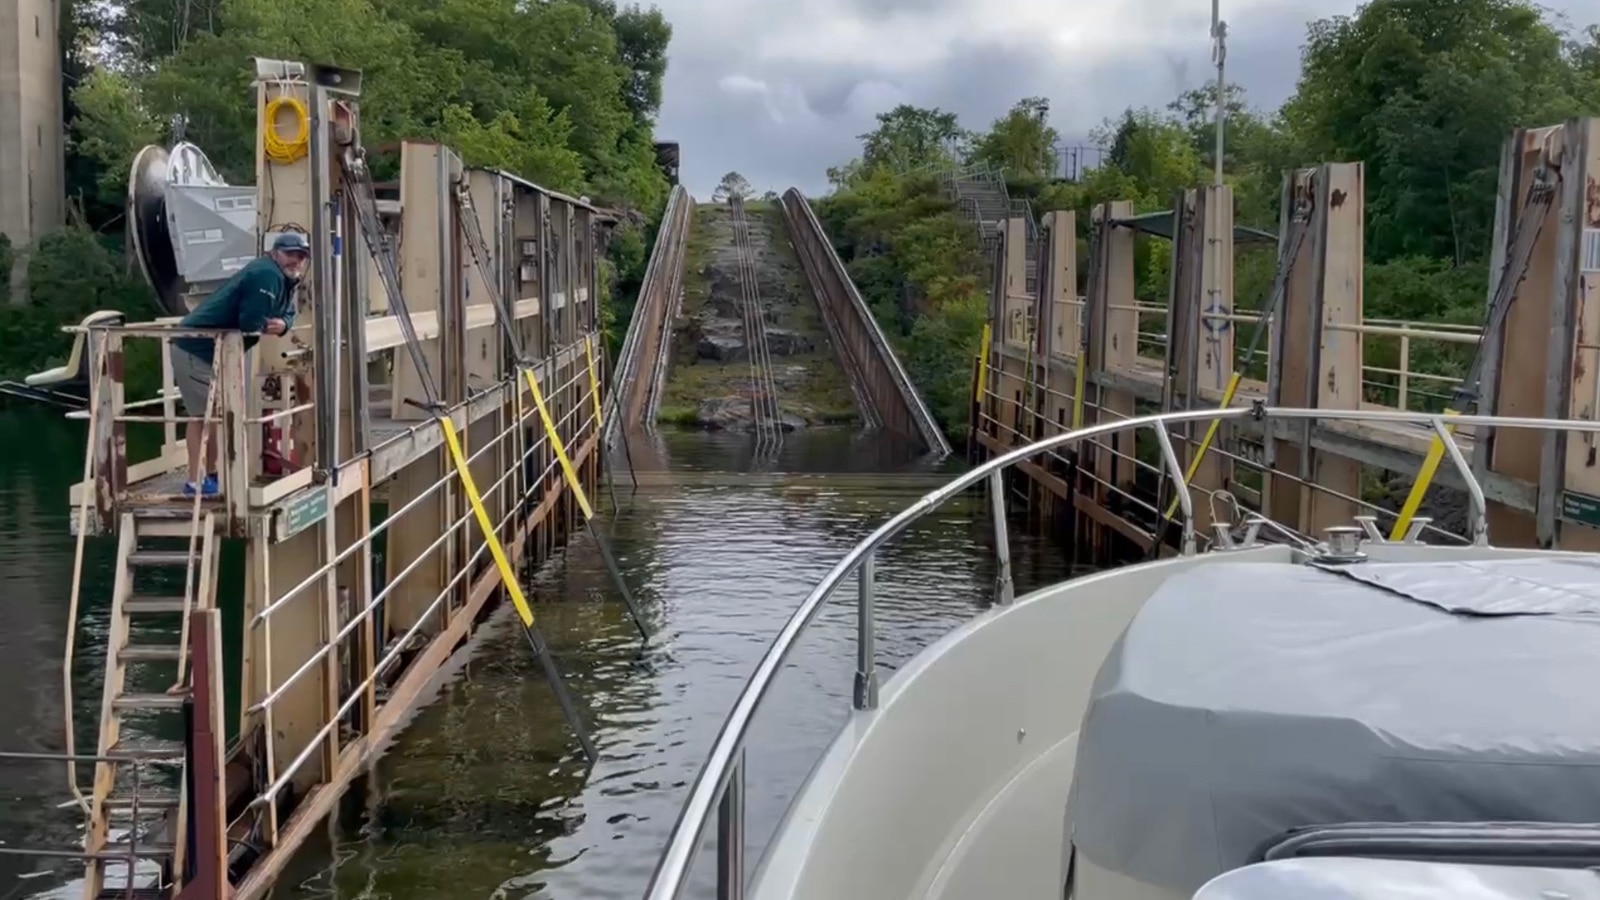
x: 1219, y: 53
x: 169, y: 393
x: 1174, y: 469
x: 325, y: 302
x: 1003, y: 589
x: 208, y: 855
x: 1405, y: 371
x: 866, y: 694
x: 730, y: 836
x: 356, y: 311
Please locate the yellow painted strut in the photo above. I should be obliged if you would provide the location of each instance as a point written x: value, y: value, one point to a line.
x: 508, y: 577
x: 560, y: 448
x: 983, y: 366
x: 1419, y: 488
x: 1205, y: 442
x: 578, y: 493
x: 594, y: 384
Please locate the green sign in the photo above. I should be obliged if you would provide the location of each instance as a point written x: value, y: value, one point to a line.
x: 1582, y: 508
x: 303, y: 512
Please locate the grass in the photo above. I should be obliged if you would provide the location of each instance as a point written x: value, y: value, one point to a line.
x: 696, y: 255
x: 822, y: 389
x: 821, y: 394
x: 687, y: 386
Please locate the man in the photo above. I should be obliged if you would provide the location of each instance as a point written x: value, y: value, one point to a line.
x: 258, y: 299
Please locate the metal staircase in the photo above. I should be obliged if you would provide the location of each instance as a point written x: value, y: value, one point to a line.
x: 135, y: 826
x: 981, y: 195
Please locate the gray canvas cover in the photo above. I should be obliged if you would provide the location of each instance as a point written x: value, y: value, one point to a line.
x: 1248, y: 699
x: 1384, y: 879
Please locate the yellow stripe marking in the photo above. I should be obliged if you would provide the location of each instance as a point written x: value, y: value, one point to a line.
x: 1205, y: 443
x: 560, y: 448
x: 1430, y: 468
x: 507, y: 574
x: 594, y: 382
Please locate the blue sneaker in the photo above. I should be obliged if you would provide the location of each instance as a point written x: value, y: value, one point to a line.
x: 208, y: 487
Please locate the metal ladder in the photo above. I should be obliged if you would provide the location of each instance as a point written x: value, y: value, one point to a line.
x: 151, y: 820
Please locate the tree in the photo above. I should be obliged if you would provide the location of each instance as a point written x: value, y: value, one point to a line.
x: 563, y: 92
x: 1021, y: 142
x: 910, y: 137
x: 732, y: 185
x: 1424, y: 92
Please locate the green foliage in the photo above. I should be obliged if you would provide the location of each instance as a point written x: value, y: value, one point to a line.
x: 1021, y: 142
x: 110, y: 126
x: 919, y: 267
x: 562, y: 92
x: 72, y: 273
x: 533, y: 143
x: 627, y: 257
x: 908, y: 137
x: 732, y: 185
x: 1424, y: 92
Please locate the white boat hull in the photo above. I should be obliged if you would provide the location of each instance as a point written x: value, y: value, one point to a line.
x: 956, y: 786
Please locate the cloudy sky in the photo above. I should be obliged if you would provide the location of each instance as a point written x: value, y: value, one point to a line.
x: 779, y: 89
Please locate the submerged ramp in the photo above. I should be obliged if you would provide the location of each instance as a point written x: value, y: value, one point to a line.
x: 641, y: 365
x: 862, y: 346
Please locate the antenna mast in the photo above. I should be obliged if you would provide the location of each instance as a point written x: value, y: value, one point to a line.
x: 1219, y: 55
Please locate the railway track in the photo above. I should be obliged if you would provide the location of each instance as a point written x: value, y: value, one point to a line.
x: 765, y: 406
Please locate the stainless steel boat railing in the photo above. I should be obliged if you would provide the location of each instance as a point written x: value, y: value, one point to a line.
x: 720, y: 784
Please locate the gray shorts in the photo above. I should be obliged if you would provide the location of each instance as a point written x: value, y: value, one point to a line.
x: 193, y: 377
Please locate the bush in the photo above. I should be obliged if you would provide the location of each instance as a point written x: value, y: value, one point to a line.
x: 71, y: 273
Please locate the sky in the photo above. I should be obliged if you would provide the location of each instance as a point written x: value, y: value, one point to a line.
x: 778, y: 90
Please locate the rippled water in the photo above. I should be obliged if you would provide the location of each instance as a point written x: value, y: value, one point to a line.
x: 43, y: 455
x: 486, y: 794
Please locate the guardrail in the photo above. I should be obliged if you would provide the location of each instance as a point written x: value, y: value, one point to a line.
x: 1414, y: 368
x: 861, y: 343
x: 641, y: 364
x: 720, y: 783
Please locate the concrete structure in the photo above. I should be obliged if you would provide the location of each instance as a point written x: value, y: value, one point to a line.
x: 32, y: 185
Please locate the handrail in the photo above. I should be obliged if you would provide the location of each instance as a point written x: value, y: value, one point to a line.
x: 720, y: 780
x: 922, y: 417
x: 655, y: 289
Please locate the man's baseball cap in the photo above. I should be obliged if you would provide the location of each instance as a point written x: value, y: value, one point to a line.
x: 291, y: 242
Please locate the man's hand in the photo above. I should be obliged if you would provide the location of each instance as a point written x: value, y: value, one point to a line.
x: 275, y: 327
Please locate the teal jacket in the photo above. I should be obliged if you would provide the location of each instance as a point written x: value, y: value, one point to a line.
x: 256, y: 293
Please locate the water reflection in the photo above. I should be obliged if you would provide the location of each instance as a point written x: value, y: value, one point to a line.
x: 485, y: 796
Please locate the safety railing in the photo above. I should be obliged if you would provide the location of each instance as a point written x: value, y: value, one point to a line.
x: 246, y: 410
x: 1406, y: 364
x: 718, y: 791
x: 146, y: 778
x: 1132, y: 475
x: 1413, y: 365
x: 510, y: 491
x: 641, y: 364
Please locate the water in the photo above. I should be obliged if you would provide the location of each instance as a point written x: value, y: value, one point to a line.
x: 486, y: 794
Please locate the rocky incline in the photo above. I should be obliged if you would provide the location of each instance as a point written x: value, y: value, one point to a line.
x: 708, y: 378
